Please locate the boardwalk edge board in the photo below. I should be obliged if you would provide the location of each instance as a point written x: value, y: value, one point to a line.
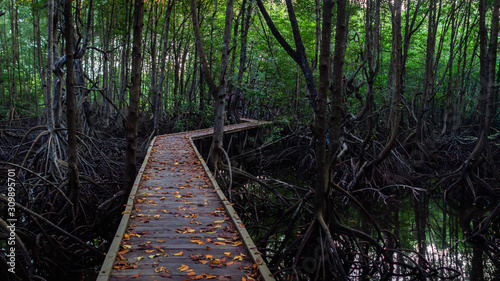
x: 247, y: 240
x: 107, y: 266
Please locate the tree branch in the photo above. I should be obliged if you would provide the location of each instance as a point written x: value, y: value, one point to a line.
x: 30, y: 212
x: 290, y: 51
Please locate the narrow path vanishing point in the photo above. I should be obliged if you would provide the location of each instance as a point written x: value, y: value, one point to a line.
x: 178, y: 225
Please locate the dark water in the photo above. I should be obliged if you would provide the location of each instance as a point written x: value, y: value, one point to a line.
x: 410, y: 214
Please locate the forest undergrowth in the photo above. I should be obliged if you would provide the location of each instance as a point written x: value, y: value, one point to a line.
x: 274, y: 196
x: 56, y: 243
x: 407, y: 220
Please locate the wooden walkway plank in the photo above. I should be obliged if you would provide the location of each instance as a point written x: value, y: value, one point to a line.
x: 178, y: 223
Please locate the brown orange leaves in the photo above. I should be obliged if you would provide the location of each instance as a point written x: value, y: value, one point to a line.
x: 160, y: 269
x: 240, y: 257
x: 132, y: 234
x: 126, y: 237
x: 237, y: 243
x: 145, y: 245
x: 123, y: 251
x: 214, y: 225
x: 192, y: 215
x: 197, y: 241
x: 184, y: 268
x: 196, y: 257
x: 158, y: 255
x: 185, y: 230
x: 217, y: 262
x: 195, y: 222
x: 124, y: 265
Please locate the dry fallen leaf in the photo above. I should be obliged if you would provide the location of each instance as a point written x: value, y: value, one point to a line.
x: 196, y: 257
x: 179, y: 253
x: 124, y: 265
x: 160, y: 269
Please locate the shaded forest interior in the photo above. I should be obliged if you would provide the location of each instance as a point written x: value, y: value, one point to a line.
x: 381, y: 161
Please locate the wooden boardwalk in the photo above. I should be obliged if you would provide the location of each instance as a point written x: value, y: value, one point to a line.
x: 178, y: 225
